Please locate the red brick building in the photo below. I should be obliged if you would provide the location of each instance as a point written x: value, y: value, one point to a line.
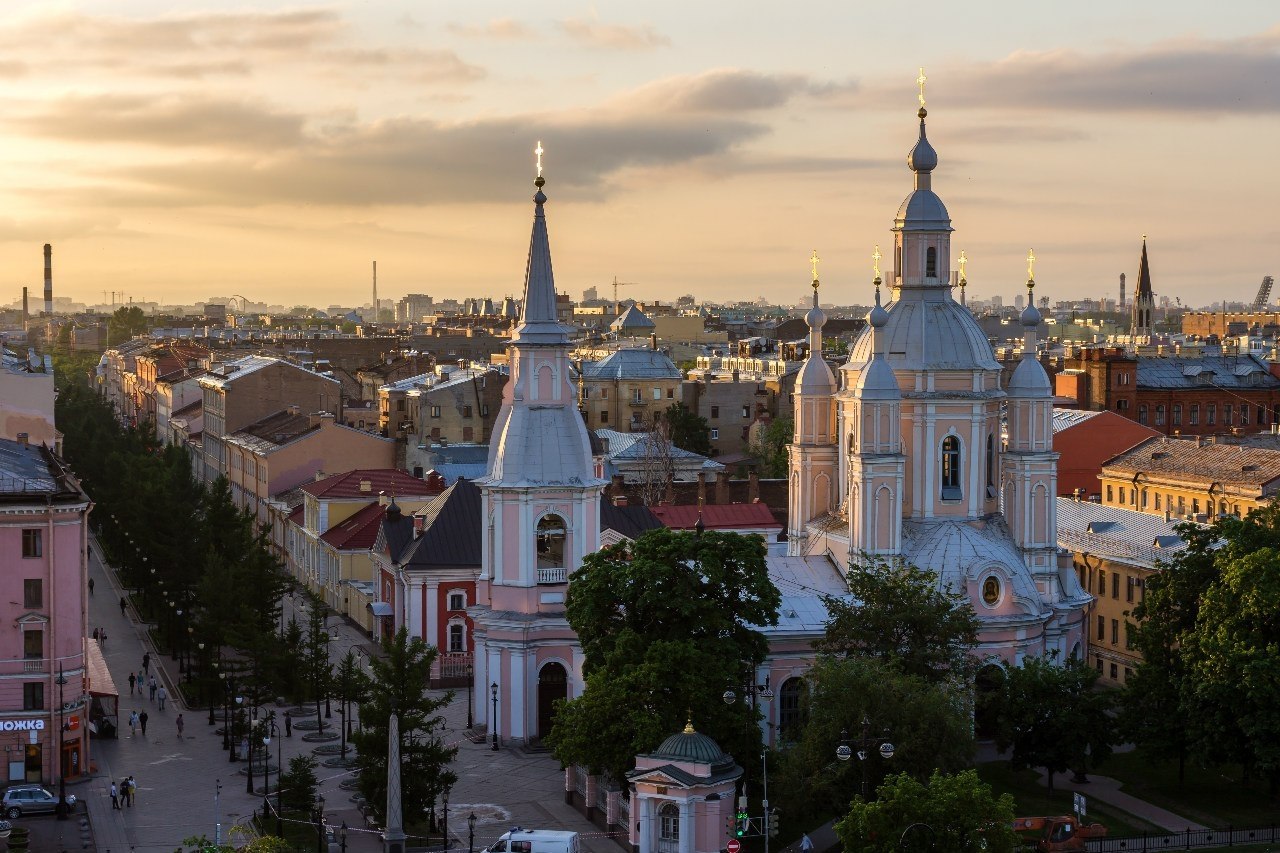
x: 1084, y: 440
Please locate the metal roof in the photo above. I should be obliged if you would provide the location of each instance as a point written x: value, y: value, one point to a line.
x: 804, y: 583
x: 632, y: 319
x: 24, y: 470
x: 1124, y: 535
x: 1067, y: 418
x: 633, y: 363
x: 1220, y: 371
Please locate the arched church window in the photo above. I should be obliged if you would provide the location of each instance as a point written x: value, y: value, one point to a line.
x: 951, y: 468
x: 790, y: 708
x: 669, y: 828
x: 931, y: 263
x: 551, y: 535
x: 991, y: 465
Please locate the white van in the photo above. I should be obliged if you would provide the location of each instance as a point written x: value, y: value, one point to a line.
x: 520, y: 840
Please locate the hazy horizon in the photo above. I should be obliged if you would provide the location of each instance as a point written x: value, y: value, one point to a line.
x: 275, y: 150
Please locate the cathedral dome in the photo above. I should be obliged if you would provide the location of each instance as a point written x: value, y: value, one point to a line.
x: 922, y: 210
x: 815, y: 377
x: 1029, y: 380
x: 929, y: 331
x: 693, y: 746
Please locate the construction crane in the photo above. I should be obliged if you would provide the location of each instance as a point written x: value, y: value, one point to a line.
x: 616, y: 285
x: 1263, y: 299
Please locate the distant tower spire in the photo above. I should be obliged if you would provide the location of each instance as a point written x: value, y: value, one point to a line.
x: 538, y: 322
x: 1143, y: 298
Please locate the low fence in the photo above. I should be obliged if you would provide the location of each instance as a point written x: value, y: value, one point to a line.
x: 1189, y: 839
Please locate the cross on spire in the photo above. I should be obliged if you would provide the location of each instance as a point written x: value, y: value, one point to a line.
x: 538, y: 151
x: 1031, y: 264
x: 875, y: 260
x: 813, y: 265
x: 920, y: 81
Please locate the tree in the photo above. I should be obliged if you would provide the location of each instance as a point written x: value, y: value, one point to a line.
x: 399, y: 685
x: 349, y: 684
x: 687, y: 429
x: 125, y: 323
x: 959, y: 813
x: 895, y: 612
x: 315, y: 653
x: 666, y: 624
x: 928, y: 724
x: 298, y: 784
x: 771, y: 450
x: 1048, y: 715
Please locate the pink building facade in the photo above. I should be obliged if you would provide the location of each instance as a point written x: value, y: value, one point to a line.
x: 43, y: 541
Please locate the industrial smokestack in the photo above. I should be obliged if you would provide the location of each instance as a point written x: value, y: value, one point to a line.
x: 48, y: 279
x: 375, y: 291
x: 26, y: 313
x: 1122, y: 291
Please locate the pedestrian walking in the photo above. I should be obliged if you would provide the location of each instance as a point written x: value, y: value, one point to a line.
x: 132, y: 681
x: 142, y: 682
x: 102, y: 637
x: 146, y: 661
x: 131, y: 791
x: 152, y: 687
x: 181, y: 725
x: 142, y: 721
x: 288, y: 724
x: 161, y: 695
x: 124, y: 603
x: 133, y: 724
x: 806, y: 845
x: 91, y: 586
x: 115, y: 796
x: 95, y: 635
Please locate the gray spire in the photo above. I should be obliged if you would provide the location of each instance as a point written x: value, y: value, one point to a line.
x: 538, y: 323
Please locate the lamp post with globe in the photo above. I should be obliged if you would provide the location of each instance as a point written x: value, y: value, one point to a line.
x: 866, y: 744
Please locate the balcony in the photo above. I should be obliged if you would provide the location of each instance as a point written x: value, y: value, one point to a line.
x: 549, y: 576
x: 33, y: 665
x: 637, y: 402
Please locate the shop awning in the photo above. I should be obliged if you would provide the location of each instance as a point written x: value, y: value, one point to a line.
x: 379, y: 608
x: 100, y: 682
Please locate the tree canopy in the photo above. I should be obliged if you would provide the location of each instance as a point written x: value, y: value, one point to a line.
x: 687, y: 429
x: 956, y: 813
x: 896, y: 613
x: 125, y: 323
x: 770, y: 451
x: 666, y: 624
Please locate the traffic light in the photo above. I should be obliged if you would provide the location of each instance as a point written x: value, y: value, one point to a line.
x: 744, y: 824
x: 773, y: 822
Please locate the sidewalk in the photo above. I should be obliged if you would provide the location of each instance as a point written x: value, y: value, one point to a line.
x: 177, y: 779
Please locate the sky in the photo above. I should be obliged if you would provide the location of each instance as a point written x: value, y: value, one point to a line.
x: 178, y: 151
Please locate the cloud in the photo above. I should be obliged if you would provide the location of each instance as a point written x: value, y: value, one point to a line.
x: 495, y: 28
x: 723, y: 90
x: 1015, y: 133
x: 172, y: 121
x: 613, y: 36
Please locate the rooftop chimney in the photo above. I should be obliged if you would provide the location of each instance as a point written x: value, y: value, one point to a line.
x: 23, y: 439
x: 48, y: 279
x: 26, y: 313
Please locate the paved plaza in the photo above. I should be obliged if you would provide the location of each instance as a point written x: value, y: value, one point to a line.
x: 177, y: 778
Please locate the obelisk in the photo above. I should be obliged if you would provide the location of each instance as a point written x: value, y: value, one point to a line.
x: 393, y: 838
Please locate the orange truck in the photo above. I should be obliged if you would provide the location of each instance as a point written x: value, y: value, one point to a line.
x: 1060, y: 834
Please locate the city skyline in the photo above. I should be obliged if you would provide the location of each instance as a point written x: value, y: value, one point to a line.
x: 276, y: 150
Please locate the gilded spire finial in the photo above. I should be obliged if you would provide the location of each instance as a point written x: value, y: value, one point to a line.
x: 920, y: 81
x: 688, y: 726
x: 875, y: 260
x: 1031, y: 269
x: 813, y: 265
x: 539, y: 152
x: 963, y: 260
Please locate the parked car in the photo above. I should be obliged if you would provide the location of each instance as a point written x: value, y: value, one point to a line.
x: 22, y: 800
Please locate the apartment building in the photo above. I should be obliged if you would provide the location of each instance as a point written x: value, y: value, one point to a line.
x: 627, y: 389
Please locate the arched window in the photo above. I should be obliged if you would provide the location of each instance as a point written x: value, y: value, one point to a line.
x: 551, y: 534
x: 1142, y: 414
x: 791, y: 708
x: 457, y: 637
x: 669, y: 828
x: 1177, y: 414
x: 951, y: 468
x: 1160, y: 415
x: 991, y: 465
x: 931, y: 263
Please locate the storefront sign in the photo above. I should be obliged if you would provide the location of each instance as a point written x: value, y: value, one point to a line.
x: 21, y: 725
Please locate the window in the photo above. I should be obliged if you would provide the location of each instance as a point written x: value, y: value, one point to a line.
x: 457, y: 601
x: 1122, y: 405
x: 715, y: 411
x: 484, y: 410
x: 1099, y: 659
x: 604, y: 393
x: 715, y: 434
x: 457, y: 637
x: 399, y: 405
x: 1142, y: 414
x: 468, y: 433
x: 1244, y: 414
x: 671, y: 393
x: 604, y: 416
x: 1157, y: 500
x: 1211, y: 414
x: 1102, y: 583
x: 1102, y: 633
x: 550, y: 544
x: 669, y: 828
x: 635, y: 396
x: 466, y: 411
x: 1128, y: 589
x: 746, y: 411
x: 33, y: 593
x: 1110, y: 497
x: 1145, y: 495
x: 435, y: 411
x: 1182, y: 505
x: 33, y: 644
x: 790, y: 708
x: 991, y: 465
x: 1160, y: 415
x: 1195, y: 506
x: 657, y: 393
x: 1115, y: 585
x: 931, y: 263
x: 1177, y: 414
x: 1194, y: 413
x: 1124, y: 495
x: 33, y: 696
x: 1114, y: 672
x: 1229, y: 414
x: 33, y: 543
x: 951, y: 468
x: 1128, y: 673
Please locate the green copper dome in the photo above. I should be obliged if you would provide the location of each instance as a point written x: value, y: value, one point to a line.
x: 690, y: 745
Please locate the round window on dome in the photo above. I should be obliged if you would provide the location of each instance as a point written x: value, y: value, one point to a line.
x: 991, y: 591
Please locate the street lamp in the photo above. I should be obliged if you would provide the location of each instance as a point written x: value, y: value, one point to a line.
x: 751, y: 690
x: 328, y: 715
x: 494, y: 720
x: 63, y: 807
x: 211, y: 691
x: 226, y: 700
x: 444, y: 832
x: 235, y: 712
x: 471, y: 832
x: 249, y: 776
x: 318, y: 815
x: 342, y: 836
x: 865, y: 744
x: 271, y: 729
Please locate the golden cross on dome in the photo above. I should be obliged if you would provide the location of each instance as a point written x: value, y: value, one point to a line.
x: 1031, y: 264
x: 875, y: 260
x: 963, y: 260
x: 920, y: 81
x: 813, y: 264
x: 539, y: 152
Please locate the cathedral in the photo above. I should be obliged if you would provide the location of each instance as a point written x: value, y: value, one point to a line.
x: 915, y: 453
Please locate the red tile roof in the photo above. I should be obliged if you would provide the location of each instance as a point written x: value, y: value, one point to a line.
x: 717, y: 516
x: 359, y: 531
x: 394, y: 482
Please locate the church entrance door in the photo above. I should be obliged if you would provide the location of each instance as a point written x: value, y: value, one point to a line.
x: 553, y: 685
